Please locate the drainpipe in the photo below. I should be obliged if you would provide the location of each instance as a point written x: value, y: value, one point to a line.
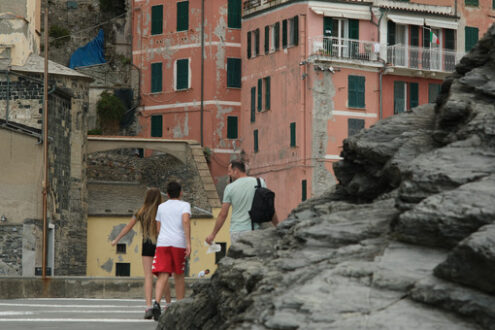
x: 8, y: 98
x: 382, y: 69
x: 202, y: 68
x: 45, y: 147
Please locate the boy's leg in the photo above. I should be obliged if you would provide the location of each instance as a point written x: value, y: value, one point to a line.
x: 161, y: 283
x: 166, y: 293
x: 180, y: 286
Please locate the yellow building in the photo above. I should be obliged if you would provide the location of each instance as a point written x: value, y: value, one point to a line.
x: 117, y: 182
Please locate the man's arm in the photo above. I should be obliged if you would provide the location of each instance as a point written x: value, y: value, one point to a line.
x: 186, y: 223
x: 275, y: 220
x: 219, y: 223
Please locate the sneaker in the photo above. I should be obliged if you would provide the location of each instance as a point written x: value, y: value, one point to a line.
x: 156, y: 311
x: 148, y: 313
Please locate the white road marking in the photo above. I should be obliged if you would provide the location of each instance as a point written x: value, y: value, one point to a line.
x: 78, y: 320
x: 15, y: 313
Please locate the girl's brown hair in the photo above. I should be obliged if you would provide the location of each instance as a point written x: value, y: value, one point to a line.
x: 146, y: 215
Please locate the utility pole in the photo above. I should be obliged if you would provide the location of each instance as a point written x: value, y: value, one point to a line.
x: 45, y: 145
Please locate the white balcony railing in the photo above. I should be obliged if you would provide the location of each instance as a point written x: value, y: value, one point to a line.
x: 346, y: 48
x: 433, y: 59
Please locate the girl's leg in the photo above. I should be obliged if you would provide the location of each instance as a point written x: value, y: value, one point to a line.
x: 148, y: 279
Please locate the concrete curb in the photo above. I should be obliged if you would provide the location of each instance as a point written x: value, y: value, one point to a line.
x: 78, y: 287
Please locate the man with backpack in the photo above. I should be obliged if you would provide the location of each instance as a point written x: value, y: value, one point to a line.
x: 240, y: 194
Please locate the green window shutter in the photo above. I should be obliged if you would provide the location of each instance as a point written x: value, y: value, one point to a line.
x: 156, y: 77
x: 414, y: 35
x: 433, y: 91
x: 354, y: 126
x: 277, y: 35
x: 234, y: 14
x: 327, y: 26
x: 493, y: 4
x: 267, y: 93
x: 471, y: 37
x: 233, y: 72
x: 249, y: 44
x: 182, y: 78
x: 295, y: 42
x: 471, y: 3
x: 292, y: 134
x: 260, y: 94
x: 304, y: 190
x: 354, y: 29
x: 267, y: 39
x: 231, y: 127
x: 391, y: 33
x: 356, y: 92
x: 449, y: 39
x: 182, y: 15
x: 253, y: 104
x: 413, y: 95
x: 284, y: 33
x: 255, y: 135
x: 257, y: 41
x: 399, y: 97
x: 157, y: 19
x: 156, y: 126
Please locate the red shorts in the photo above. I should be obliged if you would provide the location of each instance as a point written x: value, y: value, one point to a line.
x: 169, y: 259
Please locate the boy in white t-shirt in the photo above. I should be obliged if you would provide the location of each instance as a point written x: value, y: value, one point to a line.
x: 173, y: 245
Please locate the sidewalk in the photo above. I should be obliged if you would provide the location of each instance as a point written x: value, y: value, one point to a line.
x: 78, y: 287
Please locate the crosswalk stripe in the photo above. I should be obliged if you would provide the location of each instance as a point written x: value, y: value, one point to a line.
x: 77, y: 320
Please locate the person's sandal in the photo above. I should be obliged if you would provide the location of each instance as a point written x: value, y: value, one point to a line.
x: 148, y: 313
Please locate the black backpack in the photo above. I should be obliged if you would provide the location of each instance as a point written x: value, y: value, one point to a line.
x: 263, y: 207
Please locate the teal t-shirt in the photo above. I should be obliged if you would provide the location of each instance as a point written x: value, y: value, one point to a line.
x: 240, y: 194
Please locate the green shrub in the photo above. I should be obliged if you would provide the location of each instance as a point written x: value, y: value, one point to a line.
x: 110, y: 108
x: 96, y: 131
x: 61, y: 34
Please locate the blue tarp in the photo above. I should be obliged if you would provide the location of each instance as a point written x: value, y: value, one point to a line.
x: 90, y: 54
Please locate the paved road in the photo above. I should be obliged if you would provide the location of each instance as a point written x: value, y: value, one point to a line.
x: 73, y: 314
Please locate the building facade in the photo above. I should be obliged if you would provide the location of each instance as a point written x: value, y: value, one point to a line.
x: 184, y: 94
x: 316, y: 72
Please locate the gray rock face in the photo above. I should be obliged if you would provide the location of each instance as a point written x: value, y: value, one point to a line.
x: 404, y: 241
x: 472, y: 262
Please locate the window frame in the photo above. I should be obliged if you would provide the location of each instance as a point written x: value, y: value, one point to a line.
x: 234, y: 81
x: 176, y: 74
x: 234, y: 19
x: 154, y: 19
x: 232, y: 122
x: 353, y: 94
x: 153, y: 87
x: 181, y: 26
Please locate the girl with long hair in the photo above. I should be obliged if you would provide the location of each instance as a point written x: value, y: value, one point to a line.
x: 146, y: 216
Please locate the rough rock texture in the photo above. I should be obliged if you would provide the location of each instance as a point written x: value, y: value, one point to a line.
x: 387, y: 248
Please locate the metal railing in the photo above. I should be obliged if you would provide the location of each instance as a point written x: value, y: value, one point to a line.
x: 434, y: 59
x: 346, y: 48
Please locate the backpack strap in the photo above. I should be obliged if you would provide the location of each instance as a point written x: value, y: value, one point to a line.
x: 259, y: 182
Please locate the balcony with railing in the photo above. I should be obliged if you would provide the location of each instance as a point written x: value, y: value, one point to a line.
x: 345, y: 49
x: 422, y: 58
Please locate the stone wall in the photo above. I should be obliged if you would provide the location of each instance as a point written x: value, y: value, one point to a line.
x: 67, y: 205
x: 153, y: 171
x: 10, y: 249
x: 22, y: 98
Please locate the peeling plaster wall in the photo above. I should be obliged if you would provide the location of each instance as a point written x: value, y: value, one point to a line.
x: 181, y: 109
x: 323, y: 92
x: 18, y: 22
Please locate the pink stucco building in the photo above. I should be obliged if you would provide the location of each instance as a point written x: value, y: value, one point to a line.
x: 285, y: 86
x: 316, y: 72
x: 190, y: 86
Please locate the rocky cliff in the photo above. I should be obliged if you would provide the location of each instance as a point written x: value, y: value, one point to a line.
x: 405, y: 241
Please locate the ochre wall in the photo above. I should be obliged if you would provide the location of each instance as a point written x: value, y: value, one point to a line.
x: 102, y: 256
